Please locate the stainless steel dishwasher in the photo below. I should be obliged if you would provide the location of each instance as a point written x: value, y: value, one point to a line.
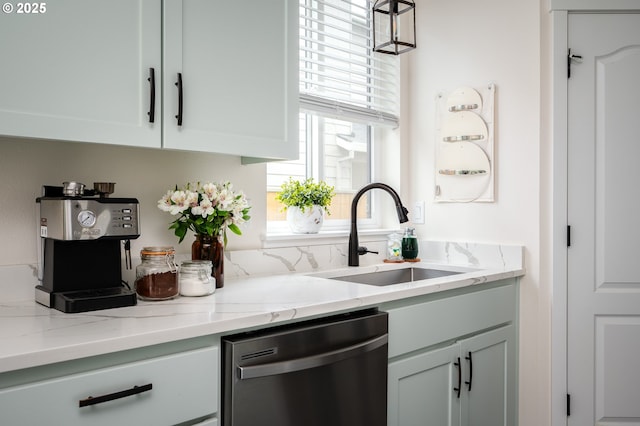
x: 331, y: 371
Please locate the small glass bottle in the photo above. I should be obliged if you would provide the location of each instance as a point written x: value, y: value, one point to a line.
x: 195, y: 278
x: 157, y: 274
x: 410, y: 244
x: 394, y: 247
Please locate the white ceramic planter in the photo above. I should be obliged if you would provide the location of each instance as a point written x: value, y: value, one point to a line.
x: 308, y: 221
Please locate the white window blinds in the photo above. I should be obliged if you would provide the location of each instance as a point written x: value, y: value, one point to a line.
x: 340, y: 75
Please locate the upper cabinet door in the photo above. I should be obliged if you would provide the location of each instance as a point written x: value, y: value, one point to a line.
x: 231, y: 70
x: 78, y: 70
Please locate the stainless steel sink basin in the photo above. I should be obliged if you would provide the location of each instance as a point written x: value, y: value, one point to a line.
x: 395, y: 276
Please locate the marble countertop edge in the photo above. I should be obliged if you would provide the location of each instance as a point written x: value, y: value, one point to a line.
x: 50, y: 336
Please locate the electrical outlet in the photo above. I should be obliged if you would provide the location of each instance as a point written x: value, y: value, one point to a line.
x: 417, y: 215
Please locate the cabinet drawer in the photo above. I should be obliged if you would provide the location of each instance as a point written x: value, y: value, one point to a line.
x: 428, y: 323
x: 184, y: 386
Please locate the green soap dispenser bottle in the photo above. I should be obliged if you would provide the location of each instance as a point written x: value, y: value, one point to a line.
x: 410, y: 244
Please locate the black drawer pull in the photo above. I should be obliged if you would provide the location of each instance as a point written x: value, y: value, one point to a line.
x: 152, y: 97
x: 113, y: 396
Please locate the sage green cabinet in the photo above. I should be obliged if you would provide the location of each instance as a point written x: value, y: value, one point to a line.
x: 201, y: 75
x: 453, y: 360
x: 78, y: 70
x: 420, y: 389
x: 238, y: 66
x: 169, y: 389
x: 488, y: 367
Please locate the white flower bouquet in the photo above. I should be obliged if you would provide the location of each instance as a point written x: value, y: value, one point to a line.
x: 206, y: 209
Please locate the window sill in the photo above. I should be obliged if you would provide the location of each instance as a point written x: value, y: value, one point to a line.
x: 277, y: 240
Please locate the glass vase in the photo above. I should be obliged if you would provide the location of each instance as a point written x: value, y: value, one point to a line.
x: 208, y: 247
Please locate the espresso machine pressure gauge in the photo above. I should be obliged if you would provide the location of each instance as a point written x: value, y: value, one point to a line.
x: 87, y: 218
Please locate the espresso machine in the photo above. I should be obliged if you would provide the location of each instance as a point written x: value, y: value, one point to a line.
x: 81, y: 234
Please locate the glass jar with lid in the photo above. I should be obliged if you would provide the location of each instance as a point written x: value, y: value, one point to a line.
x: 195, y: 278
x: 157, y: 274
x: 394, y: 247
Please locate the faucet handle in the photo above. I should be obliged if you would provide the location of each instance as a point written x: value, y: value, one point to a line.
x: 363, y: 250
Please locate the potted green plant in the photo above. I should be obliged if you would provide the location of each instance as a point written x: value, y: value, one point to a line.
x: 305, y: 203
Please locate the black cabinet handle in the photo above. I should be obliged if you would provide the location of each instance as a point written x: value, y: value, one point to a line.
x: 113, y: 396
x: 468, y: 358
x: 459, y: 388
x: 179, y: 84
x: 152, y: 97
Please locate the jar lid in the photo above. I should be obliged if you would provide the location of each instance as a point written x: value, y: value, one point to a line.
x: 157, y: 251
x: 196, y: 263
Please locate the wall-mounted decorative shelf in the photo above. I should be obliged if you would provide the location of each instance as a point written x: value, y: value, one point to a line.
x: 456, y: 108
x: 461, y: 172
x: 464, y: 147
x: 463, y: 138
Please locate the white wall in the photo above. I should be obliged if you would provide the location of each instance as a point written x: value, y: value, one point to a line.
x: 471, y: 43
x: 26, y: 165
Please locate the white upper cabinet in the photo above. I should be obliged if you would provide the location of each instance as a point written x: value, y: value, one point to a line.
x: 78, y: 71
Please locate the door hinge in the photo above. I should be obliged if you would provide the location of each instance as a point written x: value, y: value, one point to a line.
x: 568, y: 235
x: 571, y: 58
x: 568, y: 405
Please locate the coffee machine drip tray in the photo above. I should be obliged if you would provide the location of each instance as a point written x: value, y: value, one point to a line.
x: 86, y: 300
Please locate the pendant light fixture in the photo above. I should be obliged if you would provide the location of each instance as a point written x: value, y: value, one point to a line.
x: 394, y: 26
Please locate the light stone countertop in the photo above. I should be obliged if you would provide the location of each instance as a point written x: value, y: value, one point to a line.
x: 33, y: 335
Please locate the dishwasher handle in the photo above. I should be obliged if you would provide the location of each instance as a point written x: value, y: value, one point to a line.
x: 305, y: 363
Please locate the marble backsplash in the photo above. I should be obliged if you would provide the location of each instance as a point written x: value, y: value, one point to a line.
x: 314, y: 258
x: 323, y: 257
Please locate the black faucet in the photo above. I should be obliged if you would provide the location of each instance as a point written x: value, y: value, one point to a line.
x: 354, y: 249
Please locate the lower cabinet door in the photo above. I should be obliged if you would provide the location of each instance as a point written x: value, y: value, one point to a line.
x: 421, y: 389
x: 469, y: 383
x: 159, y: 391
x: 489, y: 394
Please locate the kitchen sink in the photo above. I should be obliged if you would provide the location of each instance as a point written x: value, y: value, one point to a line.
x: 395, y: 276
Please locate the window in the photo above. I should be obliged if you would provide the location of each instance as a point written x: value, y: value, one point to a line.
x: 346, y: 94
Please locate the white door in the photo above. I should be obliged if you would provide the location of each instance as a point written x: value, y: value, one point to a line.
x: 604, y: 214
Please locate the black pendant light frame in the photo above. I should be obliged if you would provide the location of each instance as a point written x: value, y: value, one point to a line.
x: 392, y: 9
